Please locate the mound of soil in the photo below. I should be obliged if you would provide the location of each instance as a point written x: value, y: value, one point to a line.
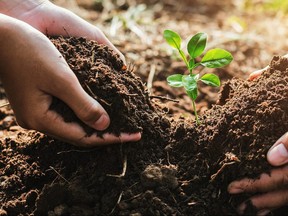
x: 178, y: 167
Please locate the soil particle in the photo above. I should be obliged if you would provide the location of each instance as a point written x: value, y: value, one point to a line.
x: 61, y: 210
x: 155, y: 176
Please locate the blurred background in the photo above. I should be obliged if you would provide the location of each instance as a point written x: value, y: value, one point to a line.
x: 252, y: 30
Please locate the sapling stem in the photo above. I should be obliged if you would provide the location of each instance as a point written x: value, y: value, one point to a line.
x: 195, y: 112
x: 184, y: 58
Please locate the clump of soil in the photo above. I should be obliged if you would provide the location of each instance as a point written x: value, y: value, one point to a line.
x: 178, y: 168
x: 104, y: 76
x: 233, y: 138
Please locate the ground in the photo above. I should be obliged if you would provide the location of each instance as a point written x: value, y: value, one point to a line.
x: 171, y: 171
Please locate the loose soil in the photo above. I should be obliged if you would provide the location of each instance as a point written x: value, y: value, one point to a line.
x: 177, y: 168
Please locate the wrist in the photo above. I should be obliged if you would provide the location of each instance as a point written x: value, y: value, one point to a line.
x: 15, y: 8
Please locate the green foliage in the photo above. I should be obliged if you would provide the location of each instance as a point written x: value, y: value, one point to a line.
x: 196, y: 45
x: 173, y: 39
x: 211, y: 79
x: 214, y: 58
x: 275, y: 6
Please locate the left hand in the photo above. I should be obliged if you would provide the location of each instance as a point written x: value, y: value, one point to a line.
x: 272, y: 188
x: 34, y: 80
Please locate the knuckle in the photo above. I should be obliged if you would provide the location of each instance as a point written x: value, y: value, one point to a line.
x: 285, y: 140
x: 284, y: 179
x: 89, y: 112
x: 66, y: 79
x: 26, y: 121
x: 32, y: 122
x: 24, y: 124
x: 84, y: 142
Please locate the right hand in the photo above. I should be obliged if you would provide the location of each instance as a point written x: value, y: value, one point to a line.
x: 32, y: 72
x: 271, y: 189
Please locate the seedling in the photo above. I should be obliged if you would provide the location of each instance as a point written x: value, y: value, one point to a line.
x: 214, y: 58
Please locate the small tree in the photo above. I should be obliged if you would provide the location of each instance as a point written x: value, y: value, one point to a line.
x: 214, y: 58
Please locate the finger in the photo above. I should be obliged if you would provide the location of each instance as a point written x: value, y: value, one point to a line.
x: 267, y: 182
x: 73, y: 25
x: 101, y: 38
x: 267, y: 202
x: 257, y: 73
x: 65, y: 86
x: 54, y: 125
x: 278, y: 153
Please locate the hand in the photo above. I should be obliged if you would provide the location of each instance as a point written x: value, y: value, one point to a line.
x: 257, y: 73
x: 32, y: 71
x: 273, y: 187
x: 53, y: 20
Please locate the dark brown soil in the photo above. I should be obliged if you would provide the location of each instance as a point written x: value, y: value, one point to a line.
x: 178, y: 168
x: 121, y: 93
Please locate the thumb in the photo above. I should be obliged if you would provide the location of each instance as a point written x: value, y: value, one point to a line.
x: 84, y: 106
x: 278, y: 153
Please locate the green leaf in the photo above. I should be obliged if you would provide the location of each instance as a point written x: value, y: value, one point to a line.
x: 189, y: 82
x: 193, y: 93
x: 172, y: 38
x: 197, y: 44
x: 216, y: 58
x: 211, y: 79
x: 175, y: 80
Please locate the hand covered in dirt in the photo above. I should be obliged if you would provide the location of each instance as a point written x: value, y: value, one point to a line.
x: 32, y: 71
x: 272, y: 189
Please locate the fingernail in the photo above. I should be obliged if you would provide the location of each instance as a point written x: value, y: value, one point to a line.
x: 263, y: 212
x: 233, y: 189
x: 102, y: 123
x: 278, y: 155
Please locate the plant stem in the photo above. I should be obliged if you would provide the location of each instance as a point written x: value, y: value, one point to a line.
x: 195, y: 112
x: 184, y: 58
x: 190, y: 71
